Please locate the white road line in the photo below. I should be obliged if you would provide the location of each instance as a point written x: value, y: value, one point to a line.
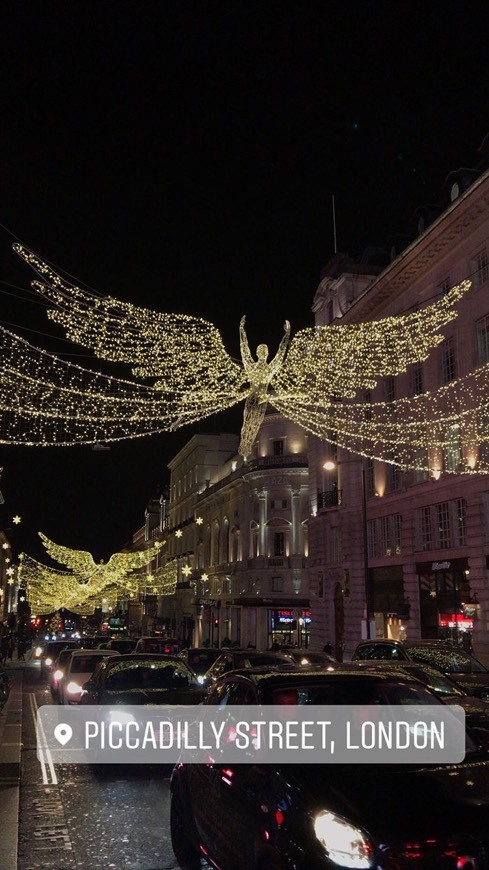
x: 43, y: 748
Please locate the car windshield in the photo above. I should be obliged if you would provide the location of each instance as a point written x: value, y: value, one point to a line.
x: 84, y: 664
x: 148, y: 675
x: 449, y: 660
x: 353, y: 691
x: 201, y: 660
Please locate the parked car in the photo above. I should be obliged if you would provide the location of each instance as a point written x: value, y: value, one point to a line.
x: 312, y: 816
x: 243, y: 658
x: 79, y: 668
x: 200, y: 659
x: 455, y: 663
x: 142, y: 678
x: 159, y: 645
x: 92, y: 641
x: 50, y: 653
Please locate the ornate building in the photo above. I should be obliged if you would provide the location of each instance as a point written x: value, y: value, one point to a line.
x: 395, y: 552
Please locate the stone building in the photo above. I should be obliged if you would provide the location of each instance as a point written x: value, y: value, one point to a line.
x: 409, y: 550
x: 238, y: 531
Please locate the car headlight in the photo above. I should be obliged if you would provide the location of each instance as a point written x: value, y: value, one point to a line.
x: 200, y: 680
x: 73, y: 688
x: 58, y: 675
x: 48, y: 662
x: 346, y: 845
x: 38, y: 651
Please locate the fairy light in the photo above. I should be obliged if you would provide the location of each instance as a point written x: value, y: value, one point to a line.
x: 46, y: 401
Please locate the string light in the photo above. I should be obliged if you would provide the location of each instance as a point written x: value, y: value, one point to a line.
x: 312, y: 380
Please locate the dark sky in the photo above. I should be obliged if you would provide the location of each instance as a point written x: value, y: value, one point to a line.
x: 183, y: 155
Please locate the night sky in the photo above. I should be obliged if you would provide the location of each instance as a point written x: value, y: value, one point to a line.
x: 183, y: 156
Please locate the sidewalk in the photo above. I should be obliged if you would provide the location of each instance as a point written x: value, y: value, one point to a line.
x: 10, y: 748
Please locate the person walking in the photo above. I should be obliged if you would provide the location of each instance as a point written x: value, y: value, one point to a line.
x: 4, y: 648
x: 21, y: 648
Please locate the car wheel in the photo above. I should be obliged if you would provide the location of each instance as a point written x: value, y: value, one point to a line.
x: 186, y: 854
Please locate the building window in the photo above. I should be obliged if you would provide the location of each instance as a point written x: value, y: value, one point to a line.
x: 277, y: 584
x: 385, y: 548
x: 393, y: 475
x: 425, y: 530
x: 447, y: 361
x: 452, y: 453
x: 278, y: 448
x: 483, y: 340
x: 389, y: 389
x: 279, y: 544
x: 460, y: 522
x: 417, y: 379
x: 278, y: 504
x: 443, y: 525
x: 481, y: 267
x: 396, y: 523
x: 226, y: 586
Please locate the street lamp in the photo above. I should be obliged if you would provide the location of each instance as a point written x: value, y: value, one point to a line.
x: 332, y: 466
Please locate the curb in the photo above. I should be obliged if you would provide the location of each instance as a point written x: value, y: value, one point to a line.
x: 10, y: 749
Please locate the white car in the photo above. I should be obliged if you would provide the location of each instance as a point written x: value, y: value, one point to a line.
x: 78, y: 670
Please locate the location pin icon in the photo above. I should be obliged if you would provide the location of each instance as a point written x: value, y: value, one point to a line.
x: 63, y: 733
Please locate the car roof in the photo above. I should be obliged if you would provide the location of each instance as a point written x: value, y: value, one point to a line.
x: 102, y: 653
x: 271, y: 676
x: 144, y: 657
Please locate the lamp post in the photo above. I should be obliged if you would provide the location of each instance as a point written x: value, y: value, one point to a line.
x: 332, y: 466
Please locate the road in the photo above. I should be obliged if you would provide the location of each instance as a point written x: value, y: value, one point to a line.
x: 77, y: 816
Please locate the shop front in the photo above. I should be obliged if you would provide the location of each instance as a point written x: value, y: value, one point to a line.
x: 447, y: 607
x: 289, y: 627
x: 389, y: 603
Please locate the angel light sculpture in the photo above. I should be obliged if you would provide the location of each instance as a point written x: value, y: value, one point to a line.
x: 185, y: 374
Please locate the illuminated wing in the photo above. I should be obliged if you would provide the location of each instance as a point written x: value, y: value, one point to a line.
x: 126, y: 562
x: 445, y: 430
x: 181, y: 353
x: 330, y: 361
x: 80, y: 561
x: 47, y: 401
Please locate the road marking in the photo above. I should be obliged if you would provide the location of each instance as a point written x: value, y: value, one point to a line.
x: 44, y: 754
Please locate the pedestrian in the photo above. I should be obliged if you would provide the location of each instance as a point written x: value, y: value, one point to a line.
x: 21, y: 648
x: 11, y: 647
x: 4, y: 648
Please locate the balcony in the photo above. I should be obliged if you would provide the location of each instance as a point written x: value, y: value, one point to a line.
x: 329, y: 499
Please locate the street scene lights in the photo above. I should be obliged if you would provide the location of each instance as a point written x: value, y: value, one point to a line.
x: 329, y: 465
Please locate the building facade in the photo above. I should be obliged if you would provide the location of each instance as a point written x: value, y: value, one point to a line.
x: 406, y: 553
x: 238, y: 531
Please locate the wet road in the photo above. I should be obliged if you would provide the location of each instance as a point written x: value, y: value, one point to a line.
x: 76, y: 816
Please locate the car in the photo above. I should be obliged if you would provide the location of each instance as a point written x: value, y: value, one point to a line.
x: 168, y: 646
x: 78, y: 669
x: 462, y: 667
x: 92, y: 641
x: 122, y: 644
x: 142, y: 678
x: 58, y: 670
x: 476, y: 710
x: 323, y: 816
x: 243, y: 658
x: 51, y: 651
x: 200, y: 659
x: 310, y: 657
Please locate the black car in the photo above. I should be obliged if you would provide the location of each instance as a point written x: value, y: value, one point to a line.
x: 455, y: 663
x: 307, y: 817
x: 142, y: 678
x: 446, y: 689
x: 310, y: 657
x: 230, y: 660
x: 200, y: 659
